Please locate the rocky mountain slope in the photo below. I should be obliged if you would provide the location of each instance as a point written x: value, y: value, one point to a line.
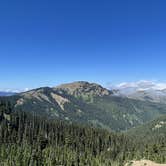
x: 82, y: 88
x: 88, y: 103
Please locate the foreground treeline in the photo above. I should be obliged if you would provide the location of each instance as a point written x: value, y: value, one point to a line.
x: 29, y: 140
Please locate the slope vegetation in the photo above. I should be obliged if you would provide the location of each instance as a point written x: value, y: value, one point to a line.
x: 27, y: 139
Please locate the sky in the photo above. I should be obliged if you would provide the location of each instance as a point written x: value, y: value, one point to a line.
x: 46, y: 43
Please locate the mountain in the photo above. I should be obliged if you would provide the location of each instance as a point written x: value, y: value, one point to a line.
x: 142, y: 90
x: 87, y: 103
x: 7, y: 93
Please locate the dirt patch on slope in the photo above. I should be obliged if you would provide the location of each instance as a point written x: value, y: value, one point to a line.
x: 143, y: 163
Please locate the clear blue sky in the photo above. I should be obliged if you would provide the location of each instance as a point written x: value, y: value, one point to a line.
x: 47, y: 42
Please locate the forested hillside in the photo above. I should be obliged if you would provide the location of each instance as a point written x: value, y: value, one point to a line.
x: 27, y: 139
x: 151, y: 130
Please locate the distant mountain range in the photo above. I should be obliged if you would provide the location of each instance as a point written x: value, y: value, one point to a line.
x: 88, y: 103
x: 142, y: 90
x: 7, y: 93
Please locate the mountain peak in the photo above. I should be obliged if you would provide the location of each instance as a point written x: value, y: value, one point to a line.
x: 84, y: 88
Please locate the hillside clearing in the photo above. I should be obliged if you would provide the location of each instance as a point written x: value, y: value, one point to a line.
x: 144, y: 163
